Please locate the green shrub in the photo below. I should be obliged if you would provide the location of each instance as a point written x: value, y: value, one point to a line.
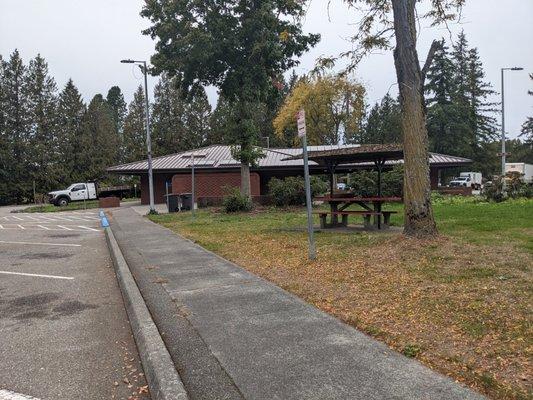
x: 291, y: 190
x: 516, y: 188
x: 365, y: 183
x: 235, y: 201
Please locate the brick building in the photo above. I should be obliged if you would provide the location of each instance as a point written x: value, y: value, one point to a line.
x: 215, y: 170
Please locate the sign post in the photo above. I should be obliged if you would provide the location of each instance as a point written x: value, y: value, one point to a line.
x: 302, y: 133
x: 192, y: 187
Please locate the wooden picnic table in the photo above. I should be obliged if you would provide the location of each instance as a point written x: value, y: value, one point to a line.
x: 372, y: 207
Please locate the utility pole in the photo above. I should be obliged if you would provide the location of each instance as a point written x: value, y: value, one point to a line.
x: 504, y: 188
x: 148, y: 138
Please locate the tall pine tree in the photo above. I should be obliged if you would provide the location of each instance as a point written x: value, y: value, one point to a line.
x: 447, y: 127
x: 135, y: 128
x: 197, y: 114
x: 99, y: 142
x: 16, y: 187
x: 527, y: 127
x: 471, y: 95
x: 41, y: 92
x: 117, y: 105
x: 71, y: 111
x: 383, y: 124
x: 168, y: 122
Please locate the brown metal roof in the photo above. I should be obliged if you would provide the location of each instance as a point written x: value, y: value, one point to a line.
x: 362, y: 153
x: 219, y: 157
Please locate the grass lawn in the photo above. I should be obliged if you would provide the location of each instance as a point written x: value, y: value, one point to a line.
x: 460, y: 304
x: 77, y: 205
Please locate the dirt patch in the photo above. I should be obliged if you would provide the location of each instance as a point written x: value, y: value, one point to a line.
x: 65, y: 235
x: 42, y: 305
x: 45, y: 256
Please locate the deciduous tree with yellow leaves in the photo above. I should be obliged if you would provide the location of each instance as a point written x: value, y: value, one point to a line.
x: 334, y: 107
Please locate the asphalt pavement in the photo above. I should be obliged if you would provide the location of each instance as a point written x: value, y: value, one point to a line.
x: 63, y: 327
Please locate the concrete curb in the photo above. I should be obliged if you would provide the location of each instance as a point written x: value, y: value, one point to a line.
x: 163, y: 379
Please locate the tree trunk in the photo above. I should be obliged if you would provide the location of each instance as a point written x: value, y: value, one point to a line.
x: 419, y: 221
x: 245, y: 180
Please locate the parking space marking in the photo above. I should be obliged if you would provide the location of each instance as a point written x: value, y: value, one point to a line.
x: 49, y: 227
x: 37, y: 275
x: 10, y: 395
x: 86, y: 227
x: 42, y: 244
x: 41, y: 218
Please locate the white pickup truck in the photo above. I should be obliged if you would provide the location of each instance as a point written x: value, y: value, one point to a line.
x: 75, y: 192
x: 468, y: 179
x: 86, y: 191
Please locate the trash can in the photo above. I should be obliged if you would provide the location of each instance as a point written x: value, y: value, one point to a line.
x: 186, y: 201
x: 173, y: 202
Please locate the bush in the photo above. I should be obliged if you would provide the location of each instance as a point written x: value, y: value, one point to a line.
x: 365, y: 183
x: 516, y: 188
x: 291, y: 190
x: 235, y: 201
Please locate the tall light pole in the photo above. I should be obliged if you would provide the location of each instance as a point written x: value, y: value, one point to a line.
x: 503, y: 124
x: 142, y: 65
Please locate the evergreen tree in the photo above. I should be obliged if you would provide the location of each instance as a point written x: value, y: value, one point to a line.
x: 5, y: 156
x: 527, y: 127
x: 117, y: 105
x: 471, y: 97
x: 71, y: 111
x: 168, y: 118
x: 483, y: 122
x: 99, y: 143
x: 135, y: 128
x: 447, y: 128
x: 15, y: 186
x: 383, y: 124
x: 197, y: 114
x: 41, y: 92
x: 220, y: 122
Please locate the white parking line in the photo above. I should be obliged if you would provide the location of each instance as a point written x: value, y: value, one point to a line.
x: 10, y: 395
x: 86, y: 227
x: 37, y: 275
x: 21, y: 227
x: 47, y: 218
x: 17, y: 218
x: 44, y: 227
x: 64, y: 227
x: 42, y: 244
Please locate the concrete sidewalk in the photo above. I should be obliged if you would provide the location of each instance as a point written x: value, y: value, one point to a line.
x: 233, y: 335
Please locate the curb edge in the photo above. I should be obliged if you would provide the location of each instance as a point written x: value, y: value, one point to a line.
x: 163, y: 379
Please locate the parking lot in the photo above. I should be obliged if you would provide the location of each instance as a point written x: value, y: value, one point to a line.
x: 63, y: 327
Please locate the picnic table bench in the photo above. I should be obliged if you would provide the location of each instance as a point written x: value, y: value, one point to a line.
x: 365, y: 214
x: 372, y: 207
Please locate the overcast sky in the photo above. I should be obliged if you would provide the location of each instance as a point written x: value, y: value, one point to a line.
x: 85, y: 40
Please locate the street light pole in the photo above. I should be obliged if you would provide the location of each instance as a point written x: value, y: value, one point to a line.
x: 148, y: 137
x: 503, y: 124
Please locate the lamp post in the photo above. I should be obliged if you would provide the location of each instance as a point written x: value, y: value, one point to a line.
x: 142, y: 65
x: 503, y: 124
